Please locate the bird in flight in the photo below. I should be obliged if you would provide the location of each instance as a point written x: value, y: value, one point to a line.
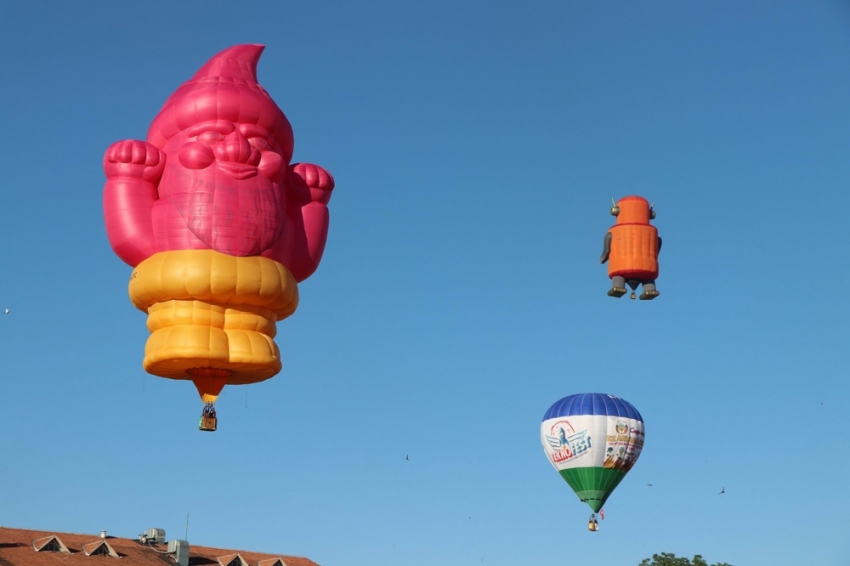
x: 722, y: 490
x: 649, y: 484
x: 407, y: 457
x: 7, y: 312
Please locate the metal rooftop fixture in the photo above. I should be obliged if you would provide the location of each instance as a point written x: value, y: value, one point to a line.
x: 180, y: 550
x: 153, y: 536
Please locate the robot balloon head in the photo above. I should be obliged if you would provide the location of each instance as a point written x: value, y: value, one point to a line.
x: 633, y: 210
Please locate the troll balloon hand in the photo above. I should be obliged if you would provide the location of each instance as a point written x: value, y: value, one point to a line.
x: 319, y: 182
x: 134, y: 159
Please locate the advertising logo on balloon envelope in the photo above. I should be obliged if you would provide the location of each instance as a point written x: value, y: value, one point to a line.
x: 623, y: 447
x: 566, y: 443
x: 592, y: 441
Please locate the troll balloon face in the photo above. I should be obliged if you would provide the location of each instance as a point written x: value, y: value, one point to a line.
x: 226, y: 184
x: 217, y: 223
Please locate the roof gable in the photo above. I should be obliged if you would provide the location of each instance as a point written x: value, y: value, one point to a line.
x: 99, y: 548
x: 232, y: 560
x: 50, y: 544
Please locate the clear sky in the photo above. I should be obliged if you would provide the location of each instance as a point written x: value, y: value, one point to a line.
x: 476, y: 147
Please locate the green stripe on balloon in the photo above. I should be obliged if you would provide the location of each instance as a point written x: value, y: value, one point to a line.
x: 593, y: 485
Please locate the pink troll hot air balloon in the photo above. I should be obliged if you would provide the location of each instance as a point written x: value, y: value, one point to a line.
x: 217, y: 224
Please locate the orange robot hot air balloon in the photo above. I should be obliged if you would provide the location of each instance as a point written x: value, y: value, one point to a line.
x: 631, y: 248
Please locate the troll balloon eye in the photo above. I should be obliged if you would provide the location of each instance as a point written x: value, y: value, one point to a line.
x: 260, y: 144
x: 210, y: 137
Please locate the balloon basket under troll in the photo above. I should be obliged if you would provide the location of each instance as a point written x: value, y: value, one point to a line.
x: 208, y: 424
x: 212, y: 316
x: 209, y: 420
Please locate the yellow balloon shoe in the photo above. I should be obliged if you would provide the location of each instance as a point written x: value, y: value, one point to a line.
x: 212, y: 316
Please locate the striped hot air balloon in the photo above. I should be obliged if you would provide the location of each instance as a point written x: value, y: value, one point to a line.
x: 593, y: 440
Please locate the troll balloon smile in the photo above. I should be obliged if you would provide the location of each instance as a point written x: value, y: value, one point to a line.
x: 238, y: 170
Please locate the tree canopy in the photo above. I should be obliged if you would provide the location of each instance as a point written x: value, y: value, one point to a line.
x: 670, y: 559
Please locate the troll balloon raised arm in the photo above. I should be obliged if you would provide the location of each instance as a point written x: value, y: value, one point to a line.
x: 217, y: 223
x: 309, y: 190
x: 133, y: 169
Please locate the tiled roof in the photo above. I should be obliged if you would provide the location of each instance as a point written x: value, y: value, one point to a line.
x: 16, y: 550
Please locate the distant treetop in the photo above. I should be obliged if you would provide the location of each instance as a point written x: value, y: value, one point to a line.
x: 669, y: 559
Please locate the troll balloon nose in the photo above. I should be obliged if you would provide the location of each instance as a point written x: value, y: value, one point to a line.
x: 236, y: 149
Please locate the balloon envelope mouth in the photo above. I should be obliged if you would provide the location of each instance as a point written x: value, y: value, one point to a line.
x: 209, y: 381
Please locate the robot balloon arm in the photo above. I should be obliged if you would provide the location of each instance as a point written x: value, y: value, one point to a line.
x: 659, y: 247
x: 606, y: 247
x: 310, y: 189
x: 133, y: 169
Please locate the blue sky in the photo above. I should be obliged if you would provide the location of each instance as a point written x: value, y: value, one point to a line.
x: 475, y: 146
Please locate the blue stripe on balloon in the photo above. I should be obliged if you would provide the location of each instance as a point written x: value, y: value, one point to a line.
x: 592, y: 404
